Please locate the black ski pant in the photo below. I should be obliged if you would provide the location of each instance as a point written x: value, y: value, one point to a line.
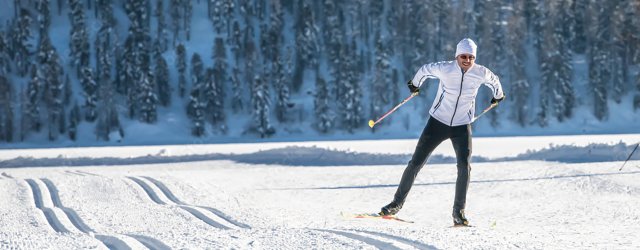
x: 433, y: 134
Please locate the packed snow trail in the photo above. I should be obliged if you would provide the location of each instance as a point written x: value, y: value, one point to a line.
x: 264, y: 205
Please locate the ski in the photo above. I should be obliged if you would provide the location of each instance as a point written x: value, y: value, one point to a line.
x: 460, y: 226
x: 373, y: 216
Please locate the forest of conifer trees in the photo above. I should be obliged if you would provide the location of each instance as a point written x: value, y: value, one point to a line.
x: 124, y: 59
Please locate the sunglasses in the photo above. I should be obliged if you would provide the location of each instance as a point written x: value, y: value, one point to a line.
x: 464, y: 57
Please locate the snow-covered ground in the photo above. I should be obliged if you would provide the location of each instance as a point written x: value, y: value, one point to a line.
x: 524, y: 193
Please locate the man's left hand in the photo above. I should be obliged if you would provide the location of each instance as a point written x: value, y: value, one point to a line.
x: 496, y: 101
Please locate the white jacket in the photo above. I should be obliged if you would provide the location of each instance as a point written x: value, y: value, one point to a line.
x: 455, y: 102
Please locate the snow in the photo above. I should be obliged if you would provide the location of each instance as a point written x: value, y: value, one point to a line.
x: 525, y: 193
x: 159, y: 187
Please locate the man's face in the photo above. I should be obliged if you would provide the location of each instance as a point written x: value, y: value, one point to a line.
x: 465, y: 61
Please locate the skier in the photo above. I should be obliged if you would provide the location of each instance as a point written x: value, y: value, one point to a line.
x: 451, y: 115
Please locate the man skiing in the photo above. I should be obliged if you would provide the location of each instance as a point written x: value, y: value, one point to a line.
x: 452, y: 113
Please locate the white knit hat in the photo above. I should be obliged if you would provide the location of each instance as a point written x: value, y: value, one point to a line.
x: 466, y: 46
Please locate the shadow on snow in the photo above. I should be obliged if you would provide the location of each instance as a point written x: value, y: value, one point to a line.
x: 314, y: 156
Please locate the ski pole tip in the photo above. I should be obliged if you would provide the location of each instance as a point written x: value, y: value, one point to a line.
x: 371, y: 123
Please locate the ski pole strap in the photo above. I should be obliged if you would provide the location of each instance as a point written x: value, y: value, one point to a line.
x: 372, y: 123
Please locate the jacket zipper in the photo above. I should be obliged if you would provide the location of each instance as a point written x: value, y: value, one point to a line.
x: 439, y: 102
x: 456, y: 108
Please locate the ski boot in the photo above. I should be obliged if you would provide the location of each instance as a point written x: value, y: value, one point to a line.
x: 390, y: 209
x: 459, y: 220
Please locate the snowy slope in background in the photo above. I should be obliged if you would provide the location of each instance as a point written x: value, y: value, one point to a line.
x: 173, y: 127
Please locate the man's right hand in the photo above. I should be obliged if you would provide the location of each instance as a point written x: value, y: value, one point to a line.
x: 413, y: 89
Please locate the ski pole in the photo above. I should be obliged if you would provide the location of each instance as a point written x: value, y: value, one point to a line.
x: 625, y: 162
x: 372, y: 123
x: 493, y: 105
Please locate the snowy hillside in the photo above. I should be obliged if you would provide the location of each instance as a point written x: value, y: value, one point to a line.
x: 132, y: 72
x: 275, y: 196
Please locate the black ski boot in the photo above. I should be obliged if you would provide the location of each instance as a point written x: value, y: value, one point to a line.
x: 459, y: 219
x: 390, y: 209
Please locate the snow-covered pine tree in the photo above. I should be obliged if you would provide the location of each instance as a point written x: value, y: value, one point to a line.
x: 219, y: 57
x: 6, y: 110
x: 105, y: 38
x: 188, y: 13
x: 108, y: 119
x: 5, y: 58
x: 44, y: 15
x: 74, y: 120
x: 556, y: 92
x: 162, y: 39
x: 535, y: 15
x: 565, y: 99
x: 197, y: 68
x: 419, y: 39
x: 271, y: 35
x: 617, y: 57
x: 196, y: 107
x: 67, y: 90
x: 215, y: 10
x: 176, y: 12
x: 324, y: 117
x: 215, y: 100
x: 498, y: 58
x: 306, y: 43
x: 20, y: 47
x: 32, y: 104
x: 333, y: 32
x: 579, y: 43
x: 519, y: 87
x: 237, y: 103
x: 261, y: 103
x: 234, y: 41
x: 162, y: 80
x: 279, y: 79
x: 90, y: 88
x: 104, y: 12
x: 380, y: 91
x: 402, y: 39
x: 249, y: 52
x: 350, y: 94
x: 79, y: 42
x: 182, y: 66
x: 442, y: 34
x: 633, y: 41
x: 636, y: 99
x: 598, y: 54
x: 147, y: 99
x: 53, y: 85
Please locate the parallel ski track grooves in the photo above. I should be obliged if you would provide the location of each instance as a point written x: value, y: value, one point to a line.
x: 189, y: 208
x: 147, y: 189
x: 413, y: 243
x: 149, y: 242
x: 173, y: 198
x: 48, y: 213
x: 371, y: 241
x: 73, y: 216
x: 112, y: 242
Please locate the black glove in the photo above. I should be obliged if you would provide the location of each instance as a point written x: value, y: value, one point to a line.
x: 412, y: 89
x: 496, y: 101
